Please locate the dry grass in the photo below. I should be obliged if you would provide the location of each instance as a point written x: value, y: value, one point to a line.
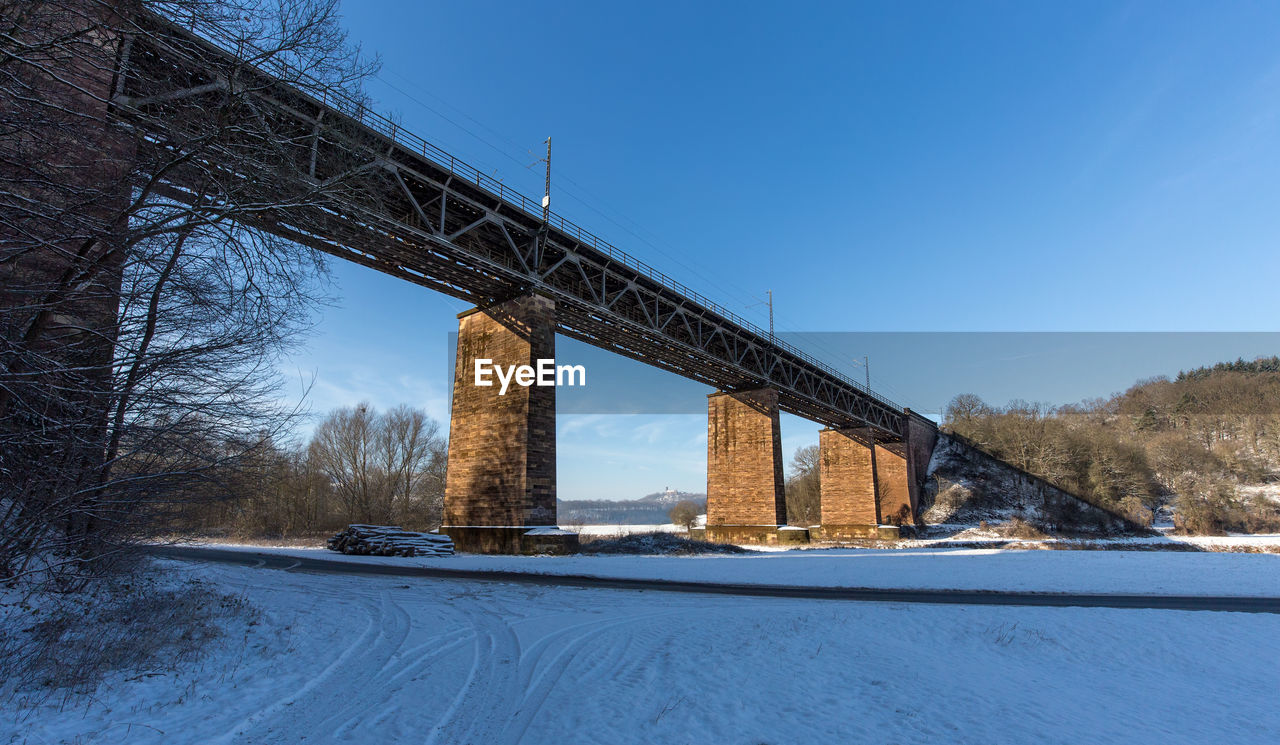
x: 1019, y: 528
x: 657, y: 543
x: 305, y: 541
x: 66, y: 645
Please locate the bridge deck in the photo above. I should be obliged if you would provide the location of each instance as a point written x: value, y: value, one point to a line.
x: 366, y: 190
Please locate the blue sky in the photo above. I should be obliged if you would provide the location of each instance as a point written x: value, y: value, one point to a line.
x: 882, y: 167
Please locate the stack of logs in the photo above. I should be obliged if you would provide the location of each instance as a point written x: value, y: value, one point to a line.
x: 389, y: 540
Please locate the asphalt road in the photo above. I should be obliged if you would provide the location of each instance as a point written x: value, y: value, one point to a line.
x: 265, y: 560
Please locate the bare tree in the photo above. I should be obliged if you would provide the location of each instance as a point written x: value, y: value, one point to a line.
x: 804, y: 499
x: 384, y: 468
x: 143, y: 302
x: 685, y: 513
x: 406, y: 438
x: 963, y: 410
x: 346, y: 444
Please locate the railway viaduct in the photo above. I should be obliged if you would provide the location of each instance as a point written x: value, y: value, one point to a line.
x: 413, y: 211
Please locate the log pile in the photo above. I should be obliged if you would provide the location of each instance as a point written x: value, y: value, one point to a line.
x: 389, y: 540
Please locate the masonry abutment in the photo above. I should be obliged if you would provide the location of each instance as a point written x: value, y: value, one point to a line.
x: 922, y: 439
x: 893, y: 489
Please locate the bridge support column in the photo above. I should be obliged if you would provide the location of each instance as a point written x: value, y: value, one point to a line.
x: 745, y: 497
x: 500, y: 487
x: 847, y: 481
x: 871, y: 486
x: 65, y: 168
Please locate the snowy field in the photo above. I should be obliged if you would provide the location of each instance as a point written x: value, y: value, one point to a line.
x: 1138, y: 572
x: 621, y: 530
x: 968, y: 535
x: 340, y: 659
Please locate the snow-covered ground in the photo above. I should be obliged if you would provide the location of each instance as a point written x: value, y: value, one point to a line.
x: 1141, y: 572
x: 1166, y: 539
x: 366, y: 659
x: 620, y: 530
x: 1233, y: 541
x: 965, y: 534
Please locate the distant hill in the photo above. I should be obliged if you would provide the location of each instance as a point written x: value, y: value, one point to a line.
x: 650, y: 509
x: 672, y: 497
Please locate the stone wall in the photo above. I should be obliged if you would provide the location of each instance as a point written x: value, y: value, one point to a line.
x: 64, y: 176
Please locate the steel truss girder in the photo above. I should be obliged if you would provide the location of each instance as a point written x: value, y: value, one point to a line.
x: 407, y: 215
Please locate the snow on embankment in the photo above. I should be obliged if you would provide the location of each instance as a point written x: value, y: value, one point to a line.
x: 967, y: 485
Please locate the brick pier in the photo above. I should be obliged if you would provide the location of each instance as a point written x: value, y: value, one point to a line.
x: 501, y: 480
x: 745, y: 497
x: 847, y: 478
x: 871, y: 485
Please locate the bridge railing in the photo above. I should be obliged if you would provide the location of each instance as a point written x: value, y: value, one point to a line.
x: 330, y: 97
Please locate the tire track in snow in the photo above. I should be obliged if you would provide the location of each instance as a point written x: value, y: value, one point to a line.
x: 343, y: 660
x: 347, y: 704
x: 476, y: 713
x: 539, y: 687
x: 386, y: 694
x: 387, y: 698
x: 377, y: 684
x: 384, y: 682
x: 431, y: 643
x: 356, y: 689
x: 507, y: 686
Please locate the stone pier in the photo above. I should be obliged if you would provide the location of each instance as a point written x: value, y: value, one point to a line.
x: 500, y: 489
x: 66, y: 170
x: 745, y: 497
x: 847, y: 479
x: 871, y: 483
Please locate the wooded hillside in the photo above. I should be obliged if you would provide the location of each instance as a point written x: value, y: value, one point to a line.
x: 1203, y: 447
